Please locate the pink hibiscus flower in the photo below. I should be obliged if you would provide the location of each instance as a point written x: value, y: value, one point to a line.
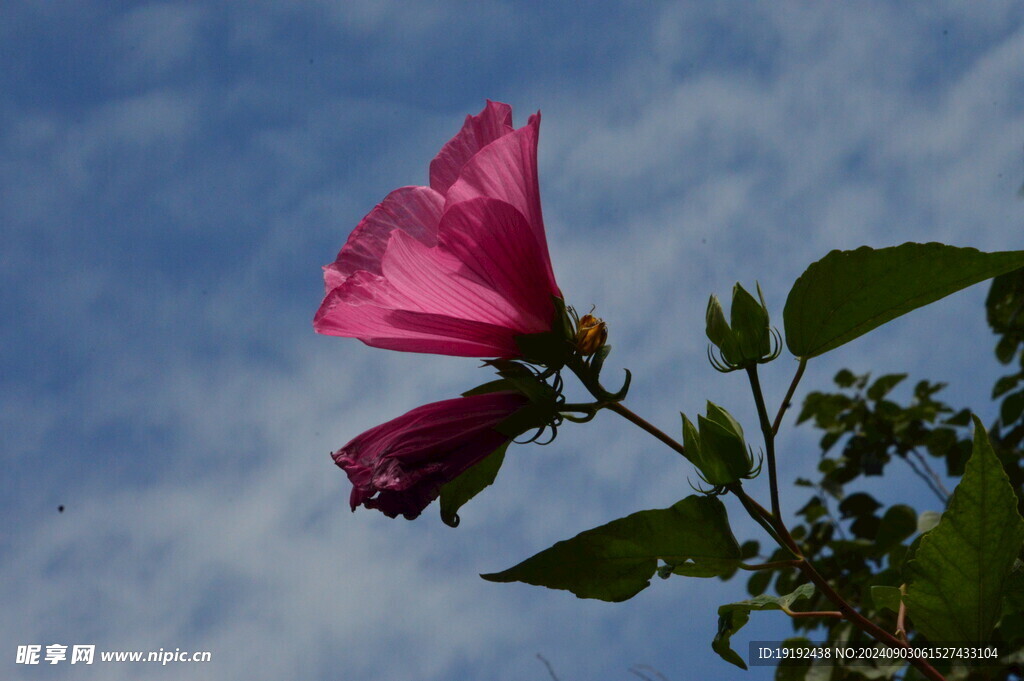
x: 457, y: 268
x: 400, y: 466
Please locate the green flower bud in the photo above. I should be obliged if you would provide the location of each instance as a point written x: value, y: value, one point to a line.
x: 717, y: 447
x: 750, y: 324
x: 749, y: 339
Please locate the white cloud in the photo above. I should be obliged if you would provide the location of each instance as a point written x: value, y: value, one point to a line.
x: 155, y: 38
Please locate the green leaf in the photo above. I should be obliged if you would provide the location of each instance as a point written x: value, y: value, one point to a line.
x: 1005, y: 385
x: 1011, y: 408
x: 848, y: 293
x: 616, y: 561
x: 898, y: 523
x: 886, y: 598
x: 858, y: 504
x: 1006, y: 348
x: 883, y: 385
x: 456, y: 493
x: 732, y: 617
x: 759, y: 582
x: 959, y: 573
x: 845, y: 378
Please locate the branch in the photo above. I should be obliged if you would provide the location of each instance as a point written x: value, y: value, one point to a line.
x: 789, y: 396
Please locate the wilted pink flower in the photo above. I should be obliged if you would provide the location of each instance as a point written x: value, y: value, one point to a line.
x: 457, y: 268
x: 400, y: 466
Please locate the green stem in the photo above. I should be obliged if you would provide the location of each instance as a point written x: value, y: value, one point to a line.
x: 835, y: 614
x: 631, y: 416
x: 774, y: 565
x: 769, y: 438
x: 789, y: 396
x: 776, y: 528
x: 863, y: 623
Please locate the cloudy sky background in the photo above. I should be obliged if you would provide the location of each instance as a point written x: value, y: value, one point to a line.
x: 174, y: 175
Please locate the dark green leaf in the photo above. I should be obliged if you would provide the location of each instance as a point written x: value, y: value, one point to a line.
x: 1006, y: 348
x: 858, y: 505
x: 463, y: 488
x: 1003, y: 304
x: 1011, y: 408
x: 732, y: 617
x: 1011, y: 626
x: 616, y: 561
x: 958, y: 575
x: 1005, y: 385
x: 759, y: 582
x: 961, y: 418
x: 886, y: 598
x: 749, y: 549
x: 898, y: 523
x: 848, y: 293
x: 845, y: 378
x: 940, y: 440
x: 883, y: 385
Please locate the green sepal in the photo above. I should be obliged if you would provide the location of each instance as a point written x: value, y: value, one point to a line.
x: 563, y: 322
x: 547, y: 348
x: 472, y: 481
x: 522, y: 379
x: 717, y: 448
x: 550, y: 348
x: 527, y: 418
x: 723, y: 456
x: 597, y: 361
x: 496, y: 386
x: 718, y: 331
x: 691, y: 442
x: 723, y: 418
x: 750, y: 324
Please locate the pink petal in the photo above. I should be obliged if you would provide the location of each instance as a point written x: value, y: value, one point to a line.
x: 434, y: 280
x: 506, y: 169
x: 353, y: 312
x: 477, y: 132
x: 415, y: 211
x: 400, y: 466
x: 495, y: 245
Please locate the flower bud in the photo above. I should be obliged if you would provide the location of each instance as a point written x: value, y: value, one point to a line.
x: 591, y: 334
x: 718, y: 448
x: 749, y: 338
x: 750, y: 324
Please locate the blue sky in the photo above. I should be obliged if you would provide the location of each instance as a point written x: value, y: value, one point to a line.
x: 173, y: 175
